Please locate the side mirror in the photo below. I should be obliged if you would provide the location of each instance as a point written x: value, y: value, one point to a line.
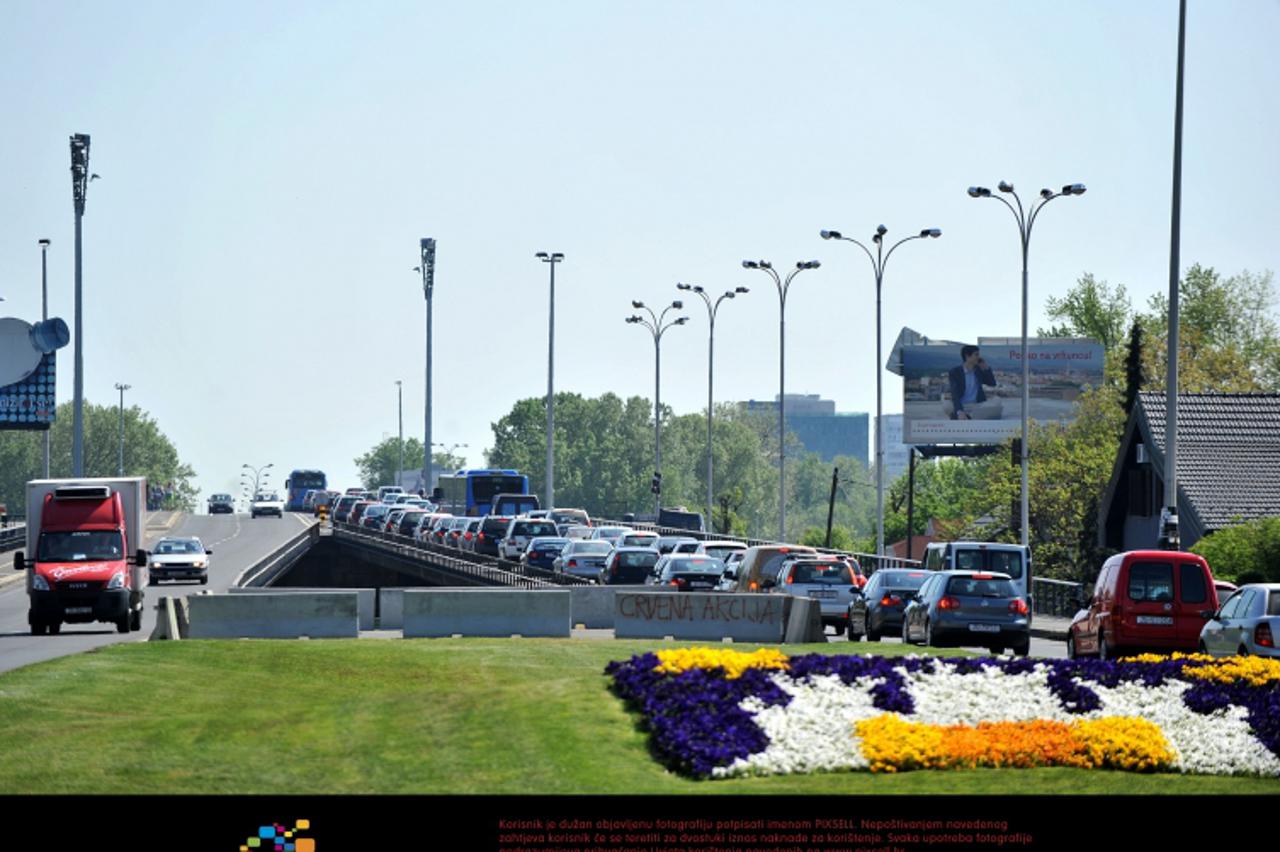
x: 208, y: 553
x: 1206, y: 614
x: 19, y: 561
x: 140, y: 558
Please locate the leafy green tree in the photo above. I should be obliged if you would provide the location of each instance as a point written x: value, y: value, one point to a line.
x: 1092, y: 309
x: 841, y: 539
x: 147, y: 452
x: 1247, y: 553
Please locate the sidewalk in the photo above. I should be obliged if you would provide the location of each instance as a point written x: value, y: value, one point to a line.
x: 1050, y: 627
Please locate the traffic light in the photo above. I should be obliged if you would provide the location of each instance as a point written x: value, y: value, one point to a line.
x: 656, y: 485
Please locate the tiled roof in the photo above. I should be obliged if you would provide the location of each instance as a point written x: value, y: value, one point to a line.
x: 1228, y: 453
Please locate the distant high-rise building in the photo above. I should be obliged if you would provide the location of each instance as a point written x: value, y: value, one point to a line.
x: 820, y: 428
x: 897, y: 455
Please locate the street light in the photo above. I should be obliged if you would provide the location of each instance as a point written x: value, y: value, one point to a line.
x: 657, y: 327
x: 259, y: 475
x: 122, y: 389
x: 44, y: 316
x: 878, y: 261
x: 712, y: 309
x: 784, y: 286
x: 551, y: 259
x: 427, y: 249
x: 1026, y: 218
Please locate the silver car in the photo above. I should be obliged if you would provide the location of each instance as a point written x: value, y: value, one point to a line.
x: 179, y: 559
x: 583, y: 559
x: 1248, y: 623
x: 828, y: 581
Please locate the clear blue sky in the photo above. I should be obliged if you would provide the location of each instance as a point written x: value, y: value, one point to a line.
x: 268, y: 169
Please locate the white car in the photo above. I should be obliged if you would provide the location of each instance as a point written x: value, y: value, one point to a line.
x: 179, y: 559
x: 267, y: 503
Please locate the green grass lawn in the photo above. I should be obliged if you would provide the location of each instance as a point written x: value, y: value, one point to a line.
x: 400, y: 716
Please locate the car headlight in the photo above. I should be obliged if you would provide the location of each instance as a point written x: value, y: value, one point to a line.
x: 199, y: 564
x: 157, y: 564
x: 39, y: 584
x: 117, y: 581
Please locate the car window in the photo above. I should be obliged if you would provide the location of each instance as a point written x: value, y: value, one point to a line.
x: 1233, y: 603
x: 1151, y: 582
x: 1247, y: 600
x: 908, y: 580
x: 592, y: 547
x: 1273, y: 603
x: 1004, y: 562
x: 980, y: 588
x: 968, y: 560
x: 1194, y: 588
x: 638, y: 559
x: 824, y: 573
x: 698, y: 565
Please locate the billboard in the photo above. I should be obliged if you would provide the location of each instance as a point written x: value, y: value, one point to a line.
x: 987, y: 383
x: 28, y: 363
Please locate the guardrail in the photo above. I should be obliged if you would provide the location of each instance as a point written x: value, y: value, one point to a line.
x: 12, y: 537
x: 1055, y: 597
x: 491, y: 570
x: 279, y: 561
x: 869, y: 561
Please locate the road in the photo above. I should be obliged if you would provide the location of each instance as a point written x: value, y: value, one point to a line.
x: 237, y: 541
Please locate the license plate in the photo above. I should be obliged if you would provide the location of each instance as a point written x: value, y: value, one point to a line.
x: 79, y: 610
x: 1155, y: 619
x: 984, y: 628
x: 823, y: 595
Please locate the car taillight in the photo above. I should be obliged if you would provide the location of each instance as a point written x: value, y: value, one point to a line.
x: 790, y: 579
x: 467, y: 536
x: 890, y: 600
x: 573, y: 563
x: 480, y: 537
x: 1262, y: 636
x: 949, y: 603
x: 1018, y: 606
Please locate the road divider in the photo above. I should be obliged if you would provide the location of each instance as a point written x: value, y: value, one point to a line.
x: 486, y: 612
x: 367, y: 599
x: 275, y: 615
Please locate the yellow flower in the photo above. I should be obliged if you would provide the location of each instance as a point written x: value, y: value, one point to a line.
x: 1122, y: 742
x: 734, y: 663
x: 1255, y: 671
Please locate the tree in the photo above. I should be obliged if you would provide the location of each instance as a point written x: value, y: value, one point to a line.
x: 380, y: 465
x: 147, y: 452
x: 1247, y: 553
x: 1090, y: 309
x: 1135, y: 375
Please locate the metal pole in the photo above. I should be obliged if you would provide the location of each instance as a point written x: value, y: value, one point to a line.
x: 551, y: 393
x: 44, y: 315
x: 657, y: 420
x: 79, y: 188
x: 911, y: 501
x: 782, y: 429
x: 831, y: 503
x: 711, y: 354
x: 430, y: 461
x: 120, y: 466
x: 400, y: 418
x: 1171, y: 379
x: 1026, y: 401
x: 879, y: 424
x: 427, y: 247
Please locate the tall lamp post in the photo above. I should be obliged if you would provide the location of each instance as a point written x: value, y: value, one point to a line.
x: 713, y: 308
x: 550, y: 495
x: 122, y: 389
x: 44, y: 316
x: 80, y: 178
x: 878, y: 261
x: 657, y: 325
x: 400, y: 420
x: 259, y: 475
x: 427, y: 247
x: 784, y: 286
x: 1026, y: 218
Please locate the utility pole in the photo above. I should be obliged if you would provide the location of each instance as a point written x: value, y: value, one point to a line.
x: 79, y: 185
x: 831, y: 504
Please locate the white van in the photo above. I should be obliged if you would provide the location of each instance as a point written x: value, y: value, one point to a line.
x: 996, y: 557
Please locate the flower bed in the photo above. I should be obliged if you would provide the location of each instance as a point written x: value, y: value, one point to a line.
x: 717, y: 713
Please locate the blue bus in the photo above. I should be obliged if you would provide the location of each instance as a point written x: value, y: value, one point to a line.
x: 471, y: 492
x: 297, y: 486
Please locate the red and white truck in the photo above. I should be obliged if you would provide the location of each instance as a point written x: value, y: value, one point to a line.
x: 84, y: 557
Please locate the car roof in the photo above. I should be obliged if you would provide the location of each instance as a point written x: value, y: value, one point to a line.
x: 993, y: 575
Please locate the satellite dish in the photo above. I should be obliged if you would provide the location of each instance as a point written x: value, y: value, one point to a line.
x: 50, y: 335
x: 18, y: 357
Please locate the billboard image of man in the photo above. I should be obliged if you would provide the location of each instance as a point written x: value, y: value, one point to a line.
x: 968, y: 400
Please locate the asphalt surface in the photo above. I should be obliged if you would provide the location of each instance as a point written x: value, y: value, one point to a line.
x: 237, y: 542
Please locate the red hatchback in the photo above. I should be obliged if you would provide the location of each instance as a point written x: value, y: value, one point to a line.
x: 1152, y: 600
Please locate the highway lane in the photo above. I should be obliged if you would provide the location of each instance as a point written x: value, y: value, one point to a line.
x: 237, y: 541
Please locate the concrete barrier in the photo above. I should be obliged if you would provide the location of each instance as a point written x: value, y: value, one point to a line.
x: 328, y: 615
x: 593, y: 606
x: 486, y: 612
x: 367, y: 598
x: 804, y: 622
x: 700, y: 615
x: 391, y: 609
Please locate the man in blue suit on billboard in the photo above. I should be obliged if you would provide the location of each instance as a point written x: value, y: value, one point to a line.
x: 968, y: 400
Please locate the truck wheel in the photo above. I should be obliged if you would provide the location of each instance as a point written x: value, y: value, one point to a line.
x: 135, y: 620
x: 54, y: 627
x: 122, y: 624
x: 37, y: 628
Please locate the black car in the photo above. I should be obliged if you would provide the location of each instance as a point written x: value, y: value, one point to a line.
x: 629, y: 566
x: 877, y: 612
x: 969, y: 608
x: 492, y: 530
x: 222, y: 504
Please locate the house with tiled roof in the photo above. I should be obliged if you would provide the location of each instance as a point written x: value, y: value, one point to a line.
x: 1228, y: 466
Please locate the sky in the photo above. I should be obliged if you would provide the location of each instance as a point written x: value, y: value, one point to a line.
x: 267, y: 171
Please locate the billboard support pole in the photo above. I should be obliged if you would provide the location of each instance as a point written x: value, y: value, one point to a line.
x: 1026, y: 218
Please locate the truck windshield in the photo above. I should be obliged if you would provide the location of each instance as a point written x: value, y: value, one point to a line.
x: 80, y: 546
